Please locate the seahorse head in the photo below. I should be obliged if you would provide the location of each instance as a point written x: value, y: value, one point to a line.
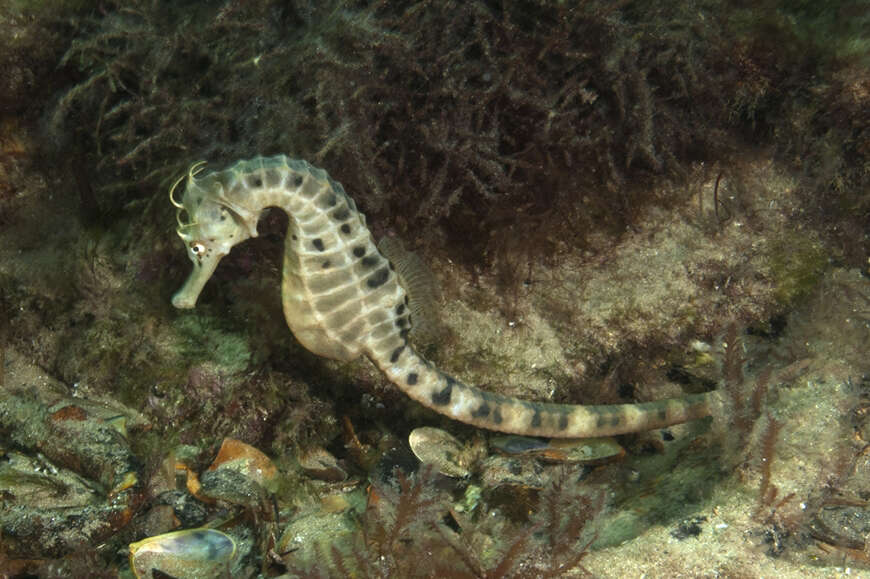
x: 209, y: 225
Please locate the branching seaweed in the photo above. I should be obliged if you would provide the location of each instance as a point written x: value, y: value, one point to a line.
x: 564, y: 517
x: 404, y: 534
x: 479, y: 111
x: 387, y: 534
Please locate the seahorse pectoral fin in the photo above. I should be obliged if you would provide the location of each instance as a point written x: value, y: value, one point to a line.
x: 185, y: 298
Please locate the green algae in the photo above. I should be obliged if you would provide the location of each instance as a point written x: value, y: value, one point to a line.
x: 203, y: 337
x: 797, y: 261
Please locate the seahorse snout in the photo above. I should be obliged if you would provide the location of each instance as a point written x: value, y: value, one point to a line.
x: 185, y: 298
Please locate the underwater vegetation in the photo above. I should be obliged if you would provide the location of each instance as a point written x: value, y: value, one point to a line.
x: 623, y: 202
x: 406, y: 533
x: 535, y: 120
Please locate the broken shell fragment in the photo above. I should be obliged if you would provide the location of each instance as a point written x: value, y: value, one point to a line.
x: 200, y: 553
x: 440, y: 449
x: 319, y: 463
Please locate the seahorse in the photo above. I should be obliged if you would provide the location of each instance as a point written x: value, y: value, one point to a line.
x: 343, y: 299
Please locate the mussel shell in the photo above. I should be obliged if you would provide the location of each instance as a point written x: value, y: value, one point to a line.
x: 319, y: 463
x: 244, y: 458
x: 190, y: 554
x: 441, y: 449
x: 240, y: 474
x: 587, y: 450
x: 512, y: 444
x: 559, y: 451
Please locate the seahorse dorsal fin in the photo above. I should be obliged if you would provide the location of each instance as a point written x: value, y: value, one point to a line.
x: 422, y: 288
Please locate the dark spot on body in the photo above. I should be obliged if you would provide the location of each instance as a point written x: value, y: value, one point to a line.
x: 297, y: 180
x: 563, y: 422
x: 404, y: 333
x: 442, y: 398
x: 412, y: 378
x: 394, y: 357
x: 663, y: 413
x: 601, y: 422
x: 378, y: 278
x: 325, y: 264
x: 293, y: 237
x: 258, y: 182
x: 359, y: 251
x: 341, y: 214
x: 370, y: 260
x: 615, y: 420
x: 331, y: 200
x: 345, y: 228
x: 496, y: 415
x: 481, y: 411
x: 400, y: 322
x: 400, y: 309
x: 318, y: 244
x: 536, y: 419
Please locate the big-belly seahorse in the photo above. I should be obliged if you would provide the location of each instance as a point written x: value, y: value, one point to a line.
x: 342, y: 297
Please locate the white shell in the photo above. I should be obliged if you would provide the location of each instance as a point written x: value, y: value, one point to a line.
x: 192, y: 553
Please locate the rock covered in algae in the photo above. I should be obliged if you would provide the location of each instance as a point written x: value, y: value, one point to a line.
x: 73, y: 478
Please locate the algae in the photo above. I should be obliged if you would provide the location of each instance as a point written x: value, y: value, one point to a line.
x: 600, y: 188
x: 797, y: 262
x: 204, y: 338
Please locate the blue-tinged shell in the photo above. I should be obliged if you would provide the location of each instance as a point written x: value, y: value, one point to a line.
x: 558, y: 451
x: 188, y: 554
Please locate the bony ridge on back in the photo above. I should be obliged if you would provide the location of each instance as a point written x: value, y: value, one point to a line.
x: 342, y: 298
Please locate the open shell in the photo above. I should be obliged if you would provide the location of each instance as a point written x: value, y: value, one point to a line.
x: 192, y: 553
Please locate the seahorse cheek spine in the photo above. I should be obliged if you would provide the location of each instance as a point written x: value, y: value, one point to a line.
x: 342, y: 299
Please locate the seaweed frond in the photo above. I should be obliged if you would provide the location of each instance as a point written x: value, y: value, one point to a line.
x: 565, y: 517
x: 412, y: 531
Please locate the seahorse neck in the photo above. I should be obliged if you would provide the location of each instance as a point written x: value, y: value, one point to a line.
x: 251, y: 187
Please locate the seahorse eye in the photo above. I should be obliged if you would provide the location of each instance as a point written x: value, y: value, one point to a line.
x: 197, y: 248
